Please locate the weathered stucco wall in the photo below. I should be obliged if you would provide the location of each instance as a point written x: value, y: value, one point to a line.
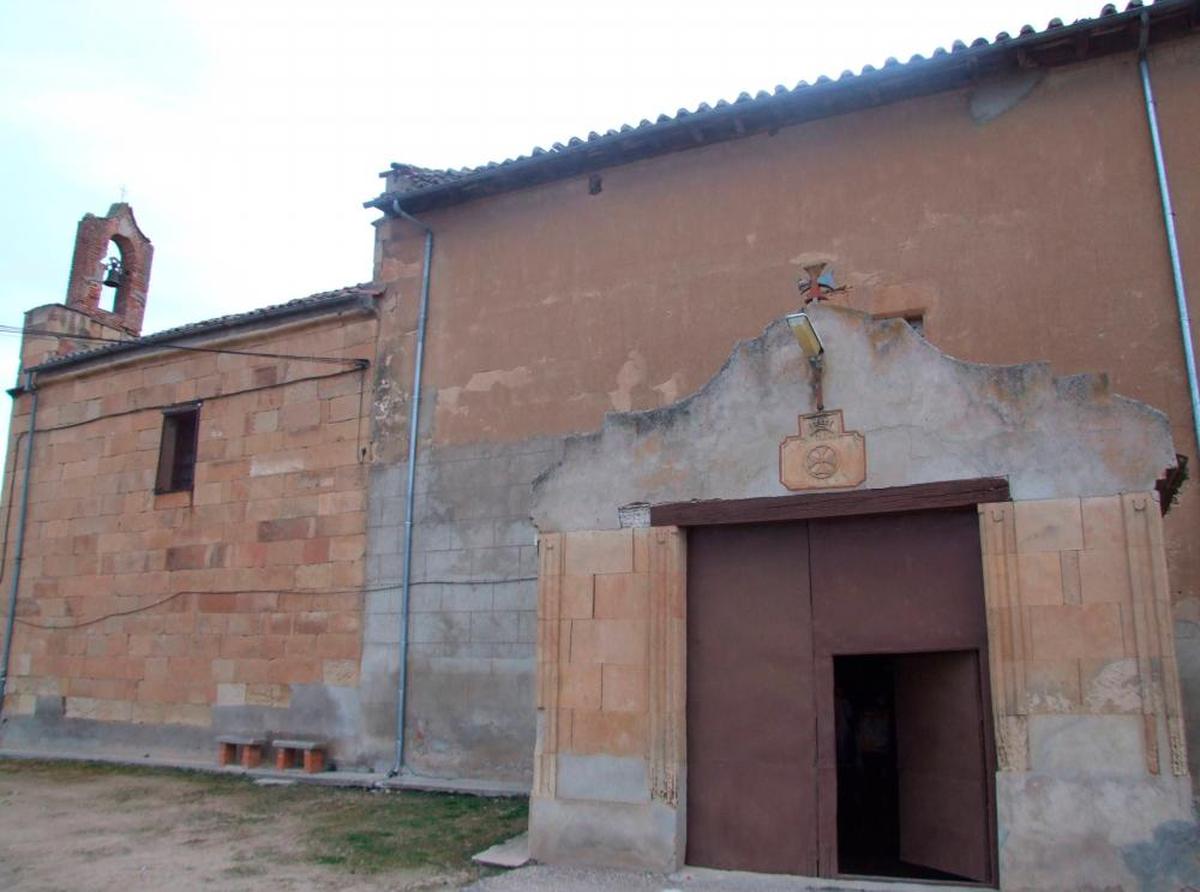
x: 235, y: 607
x: 551, y: 306
x: 1021, y: 219
x: 472, y: 611
x: 926, y: 417
x: 1093, y: 787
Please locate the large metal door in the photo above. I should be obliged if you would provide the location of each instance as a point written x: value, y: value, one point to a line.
x: 769, y: 607
x: 941, y: 754
x: 750, y: 721
x: 906, y: 584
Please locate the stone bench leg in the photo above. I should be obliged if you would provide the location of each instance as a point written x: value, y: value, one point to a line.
x: 285, y: 759
x: 226, y: 754
x: 251, y: 755
x: 314, y: 761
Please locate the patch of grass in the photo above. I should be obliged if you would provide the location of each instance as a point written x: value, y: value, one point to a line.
x: 245, y: 870
x: 69, y: 770
x: 360, y: 831
x: 103, y: 852
x: 84, y: 772
x: 132, y: 793
x: 373, y: 832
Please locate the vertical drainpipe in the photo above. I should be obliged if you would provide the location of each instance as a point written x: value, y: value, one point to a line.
x: 1164, y: 191
x: 19, y: 546
x: 413, y: 422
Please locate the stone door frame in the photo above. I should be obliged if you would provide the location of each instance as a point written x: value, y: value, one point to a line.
x: 1042, y: 568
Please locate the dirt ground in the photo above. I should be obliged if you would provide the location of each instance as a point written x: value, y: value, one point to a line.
x: 74, y: 827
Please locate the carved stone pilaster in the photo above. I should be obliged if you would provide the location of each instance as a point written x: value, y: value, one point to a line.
x: 1153, y: 630
x: 1006, y: 634
x: 666, y: 553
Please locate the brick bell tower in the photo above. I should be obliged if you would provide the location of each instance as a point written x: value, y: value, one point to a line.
x: 111, y: 251
x: 106, y: 291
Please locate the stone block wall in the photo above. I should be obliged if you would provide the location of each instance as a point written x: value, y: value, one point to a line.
x: 1079, y: 612
x: 472, y: 611
x: 235, y: 606
x: 1093, y: 788
x: 73, y: 330
x: 608, y: 782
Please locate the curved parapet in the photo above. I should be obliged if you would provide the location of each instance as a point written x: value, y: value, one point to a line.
x: 925, y: 417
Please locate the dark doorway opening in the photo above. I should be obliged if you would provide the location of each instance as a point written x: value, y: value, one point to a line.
x: 869, y: 767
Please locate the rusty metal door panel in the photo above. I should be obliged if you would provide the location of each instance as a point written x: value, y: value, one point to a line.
x: 750, y: 719
x: 896, y: 583
x: 945, y: 790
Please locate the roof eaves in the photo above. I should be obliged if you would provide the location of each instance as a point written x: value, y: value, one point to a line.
x: 316, y: 303
x: 943, y: 69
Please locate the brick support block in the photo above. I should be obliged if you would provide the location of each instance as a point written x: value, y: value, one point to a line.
x: 251, y: 755
x: 314, y: 761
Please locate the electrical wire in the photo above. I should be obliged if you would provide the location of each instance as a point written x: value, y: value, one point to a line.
x: 256, y: 591
x: 12, y: 481
x: 359, y: 365
x: 159, y: 407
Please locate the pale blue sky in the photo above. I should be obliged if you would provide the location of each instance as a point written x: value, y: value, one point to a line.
x: 248, y: 132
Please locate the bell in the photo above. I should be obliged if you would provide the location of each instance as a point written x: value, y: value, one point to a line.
x: 113, y: 273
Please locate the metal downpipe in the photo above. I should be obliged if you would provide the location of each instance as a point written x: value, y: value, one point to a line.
x: 1164, y: 191
x: 409, y: 501
x: 19, y: 547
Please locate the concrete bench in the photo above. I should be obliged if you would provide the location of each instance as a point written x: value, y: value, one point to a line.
x: 288, y: 751
x: 251, y: 750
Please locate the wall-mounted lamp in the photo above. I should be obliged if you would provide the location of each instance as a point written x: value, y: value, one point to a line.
x: 806, y: 336
x: 810, y: 344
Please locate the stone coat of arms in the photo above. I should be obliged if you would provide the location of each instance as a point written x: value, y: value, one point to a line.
x: 824, y: 455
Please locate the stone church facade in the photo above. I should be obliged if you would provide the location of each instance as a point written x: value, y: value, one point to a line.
x: 235, y: 526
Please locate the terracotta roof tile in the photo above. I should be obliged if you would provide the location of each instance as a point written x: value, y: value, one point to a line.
x: 276, y: 311
x: 405, y: 180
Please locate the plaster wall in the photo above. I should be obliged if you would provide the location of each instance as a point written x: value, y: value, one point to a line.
x: 926, y: 417
x: 151, y: 622
x: 472, y: 608
x: 1020, y: 219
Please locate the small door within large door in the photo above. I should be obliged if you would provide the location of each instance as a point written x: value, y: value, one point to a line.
x: 772, y: 610
x: 750, y: 724
x: 901, y: 586
x: 941, y: 759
